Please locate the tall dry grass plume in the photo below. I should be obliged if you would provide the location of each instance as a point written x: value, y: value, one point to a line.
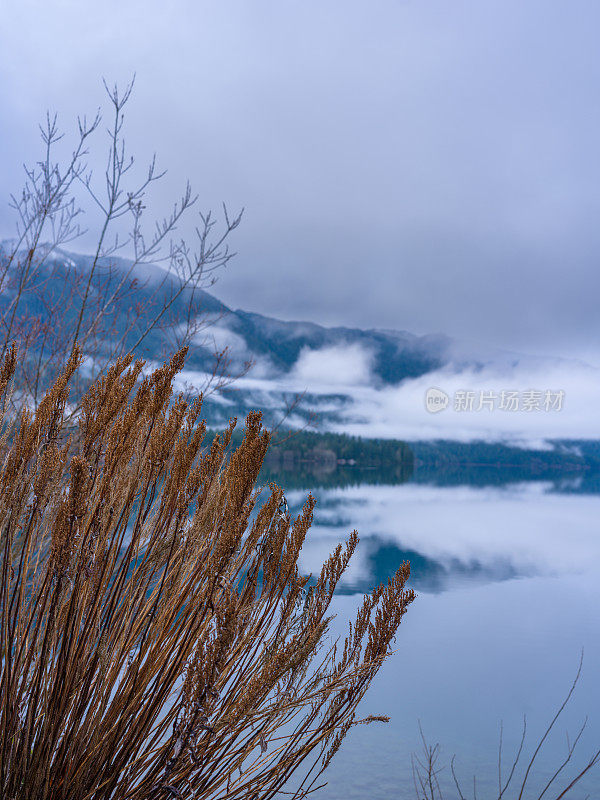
x: 157, y: 639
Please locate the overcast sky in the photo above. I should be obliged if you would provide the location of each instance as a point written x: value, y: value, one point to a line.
x: 431, y: 166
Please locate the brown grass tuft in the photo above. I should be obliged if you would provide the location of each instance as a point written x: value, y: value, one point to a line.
x: 156, y: 637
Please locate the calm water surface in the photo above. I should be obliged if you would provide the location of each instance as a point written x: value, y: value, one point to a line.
x: 508, y: 583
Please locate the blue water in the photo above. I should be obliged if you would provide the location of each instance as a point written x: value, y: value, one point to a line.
x: 508, y: 585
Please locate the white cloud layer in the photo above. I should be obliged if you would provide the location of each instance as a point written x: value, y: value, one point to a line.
x: 425, y: 166
x: 348, y: 365
x: 400, y: 412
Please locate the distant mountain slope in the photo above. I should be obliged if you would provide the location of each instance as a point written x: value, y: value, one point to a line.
x: 152, y: 283
x: 348, y: 356
x: 395, y: 355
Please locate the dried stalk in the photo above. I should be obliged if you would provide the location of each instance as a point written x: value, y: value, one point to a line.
x: 156, y: 637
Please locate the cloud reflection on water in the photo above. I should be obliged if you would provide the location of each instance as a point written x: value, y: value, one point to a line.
x: 454, y: 535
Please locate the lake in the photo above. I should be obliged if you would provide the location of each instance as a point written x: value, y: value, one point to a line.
x: 507, y: 575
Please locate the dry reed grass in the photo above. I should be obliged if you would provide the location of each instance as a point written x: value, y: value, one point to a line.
x: 156, y: 637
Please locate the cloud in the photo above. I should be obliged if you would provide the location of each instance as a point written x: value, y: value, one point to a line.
x: 399, y: 412
x: 425, y: 166
x: 345, y: 365
x: 220, y: 337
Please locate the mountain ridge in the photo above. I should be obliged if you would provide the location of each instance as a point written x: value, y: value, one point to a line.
x: 331, y: 362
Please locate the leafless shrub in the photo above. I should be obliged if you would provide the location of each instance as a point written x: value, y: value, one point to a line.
x: 156, y: 637
x: 49, y: 308
x: 425, y: 769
